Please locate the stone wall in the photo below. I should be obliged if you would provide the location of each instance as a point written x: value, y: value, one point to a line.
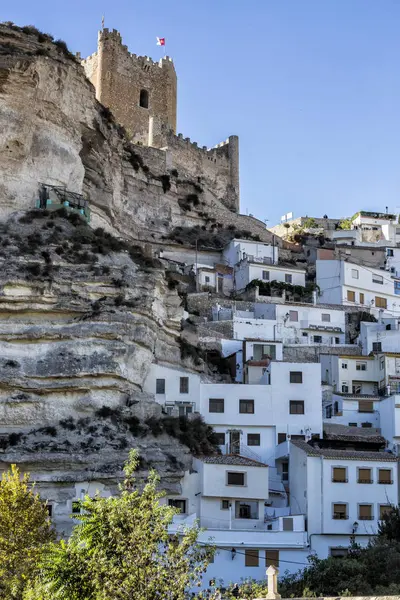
x: 303, y: 353
x: 119, y: 77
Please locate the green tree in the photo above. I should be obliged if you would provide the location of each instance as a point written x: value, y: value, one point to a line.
x: 25, y: 530
x: 122, y: 550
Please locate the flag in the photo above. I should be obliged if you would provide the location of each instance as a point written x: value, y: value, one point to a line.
x: 160, y: 41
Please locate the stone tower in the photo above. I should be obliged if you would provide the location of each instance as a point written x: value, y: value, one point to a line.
x: 141, y: 93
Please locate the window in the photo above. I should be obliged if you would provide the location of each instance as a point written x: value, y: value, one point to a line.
x: 389, y: 252
x: 246, y: 406
x: 377, y: 278
x: 185, y: 410
x: 216, y: 405
x: 265, y: 275
x: 382, y: 362
x: 288, y: 278
x: 380, y: 302
x: 326, y: 318
x: 328, y: 411
x: 296, y: 376
x: 376, y: 346
x: 361, y: 366
x: 384, y: 509
x: 180, y: 504
x: 234, y: 478
x: 246, y: 509
x: 285, y: 471
x: 293, y: 315
x: 344, y: 365
x: 219, y: 438
x: 337, y: 340
x: 385, y: 476
x: 364, y: 476
x: 184, y: 385
x: 345, y: 387
x: 160, y: 386
x: 365, y: 406
x: 281, y: 437
x: 207, y: 279
x: 361, y: 298
x: 253, y: 439
x: 317, y: 339
x: 287, y: 524
x: 340, y: 511
x: 49, y: 508
x: 339, y: 474
x: 365, y: 512
x: 339, y: 552
x: 144, y: 99
x: 354, y: 273
x: 356, y: 388
x: 297, y: 407
x: 250, y: 558
x: 272, y: 558
x: 366, y: 425
x: 225, y: 504
x: 396, y: 286
x: 351, y: 296
x: 352, y: 424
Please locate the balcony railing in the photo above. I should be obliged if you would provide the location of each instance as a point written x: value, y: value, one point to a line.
x: 369, y: 518
x: 242, y: 450
x: 337, y: 480
x: 364, y: 481
x: 340, y: 516
x: 387, y: 482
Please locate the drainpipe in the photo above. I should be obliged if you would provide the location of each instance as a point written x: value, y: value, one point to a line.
x: 230, y: 515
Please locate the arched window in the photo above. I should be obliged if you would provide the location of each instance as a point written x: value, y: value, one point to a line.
x: 144, y: 99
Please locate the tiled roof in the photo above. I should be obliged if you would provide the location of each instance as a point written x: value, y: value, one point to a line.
x: 335, y: 431
x: 231, y: 459
x: 344, y: 454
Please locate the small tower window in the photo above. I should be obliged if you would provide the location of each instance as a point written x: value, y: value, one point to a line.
x: 144, y: 99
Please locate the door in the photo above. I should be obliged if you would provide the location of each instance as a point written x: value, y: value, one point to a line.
x: 220, y: 284
x: 234, y: 442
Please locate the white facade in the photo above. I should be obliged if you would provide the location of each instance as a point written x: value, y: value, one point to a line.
x: 237, y: 520
x: 350, y: 284
x: 247, y: 271
x: 353, y: 411
x: 176, y: 389
x: 289, y: 323
x: 353, y: 374
x: 282, y: 407
x: 380, y: 337
x: 237, y: 250
x: 332, y: 489
x: 370, y: 228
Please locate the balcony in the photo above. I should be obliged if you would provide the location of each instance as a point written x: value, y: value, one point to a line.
x: 242, y: 450
x: 339, y: 516
x: 388, y: 482
x: 264, y: 260
x: 364, y: 481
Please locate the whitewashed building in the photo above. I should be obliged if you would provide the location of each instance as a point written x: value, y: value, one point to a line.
x: 345, y: 283
x: 343, y: 492
x: 290, y: 323
x: 380, y: 337
x: 238, y: 249
x: 229, y: 495
x: 361, y: 410
x: 369, y: 228
x: 353, y: 374
x: 249, y: 269
x: 178, y: 390
x: 251, y: 419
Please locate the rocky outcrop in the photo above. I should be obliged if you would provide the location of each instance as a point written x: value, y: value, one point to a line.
x: 82, y: 317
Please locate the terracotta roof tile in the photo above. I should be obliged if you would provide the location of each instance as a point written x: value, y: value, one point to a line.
x: 231, y: 459
x: 344, y: 454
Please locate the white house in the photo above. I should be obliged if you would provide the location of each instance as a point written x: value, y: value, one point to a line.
x: 248, y: 270
x: 259, y: 252
x: 342, y: 492
x: 342, y: 282
x: 353, y: 410
x: 176, y: 389
x: 251, y: 419
x: 229, y: 495
x: 370, y: 228
x: 353, y: 374
x: 290, y: 323
x: 380, y: 337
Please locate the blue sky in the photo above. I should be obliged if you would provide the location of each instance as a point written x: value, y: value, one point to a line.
x: 312, y: 88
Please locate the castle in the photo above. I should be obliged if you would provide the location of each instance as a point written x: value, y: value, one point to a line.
x: 142, y: 95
